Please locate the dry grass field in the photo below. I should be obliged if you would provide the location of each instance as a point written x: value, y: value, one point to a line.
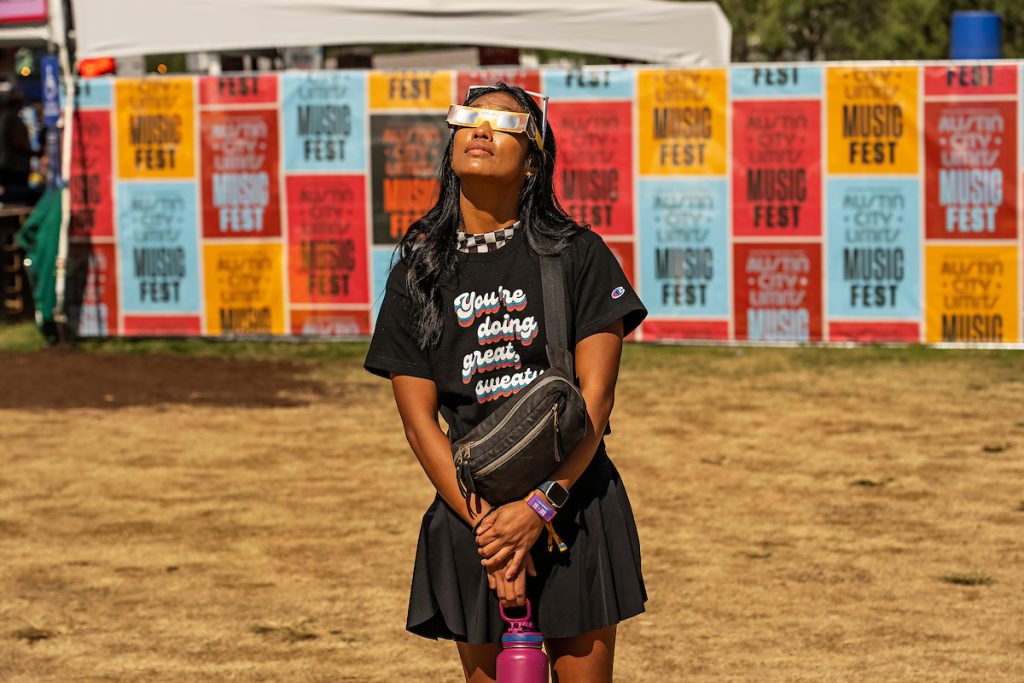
x: 244, y: 512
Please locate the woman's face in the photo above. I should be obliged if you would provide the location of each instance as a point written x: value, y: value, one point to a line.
x: 490, y: 154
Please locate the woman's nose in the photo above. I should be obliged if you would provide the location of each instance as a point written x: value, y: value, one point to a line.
x: 484, y: 131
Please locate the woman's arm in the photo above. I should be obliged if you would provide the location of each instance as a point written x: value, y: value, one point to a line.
x: 417, y: 404
x: 509, y: 533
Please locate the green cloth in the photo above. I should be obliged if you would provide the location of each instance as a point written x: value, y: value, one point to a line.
x: 39, y: 237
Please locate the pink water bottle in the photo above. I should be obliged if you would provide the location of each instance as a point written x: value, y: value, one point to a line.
x: 521, y: 659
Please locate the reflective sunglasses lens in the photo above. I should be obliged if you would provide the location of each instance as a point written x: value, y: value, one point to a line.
x: 508, y: 121
x: 465, y: 116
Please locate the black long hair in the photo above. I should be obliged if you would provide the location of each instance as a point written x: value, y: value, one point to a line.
x: 428, y: 247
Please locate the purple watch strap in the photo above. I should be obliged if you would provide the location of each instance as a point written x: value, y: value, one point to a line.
x: 537, y: 504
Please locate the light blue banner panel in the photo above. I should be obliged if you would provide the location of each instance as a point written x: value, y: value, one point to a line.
x: 381, y: 263
x: 324, y: 121
x: 775, y: 81
x: 589, y: 84
x: 874, y: 248
x: 92, y: 93
x: 683, y: 229
x: 159, y: 252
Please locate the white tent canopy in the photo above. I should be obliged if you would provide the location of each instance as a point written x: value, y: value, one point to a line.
x: 643, y: 30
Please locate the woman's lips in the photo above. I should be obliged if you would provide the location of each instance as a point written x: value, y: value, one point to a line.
x: 478, y: 149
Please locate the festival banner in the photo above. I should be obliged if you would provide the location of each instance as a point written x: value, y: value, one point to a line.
x: 872, y: 119
x: 682, y: 121
x: 527, y: 79
x: 776, y: 170
x: 240, y: 175
x: 971, y: 170
x: 155, y: 128
x: 874, y: 248
x: 327, y: 250
x: 236, y: 90
x: 970, y: 80
x: 777, y: 289
x: 92, y: 290
x: 159, y: 247
x: 591, y: 83
x: 343, y: 324
x: 244, y: 285
x: 593, y: 177
x: 683, y: 243
x: 411, y: 90
x: 767, y: 82
x: 971, y: 294
x: 323, y: 116
x: 406, y: 151
x: 92, y: 210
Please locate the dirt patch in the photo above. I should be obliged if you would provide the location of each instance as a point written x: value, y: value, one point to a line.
x: 59, y: 378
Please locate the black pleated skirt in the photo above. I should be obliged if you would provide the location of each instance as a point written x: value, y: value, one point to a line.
x: 596, y: 583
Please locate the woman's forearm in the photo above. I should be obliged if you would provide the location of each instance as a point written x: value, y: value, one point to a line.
x: 599, y: 409
x: 434, y: 453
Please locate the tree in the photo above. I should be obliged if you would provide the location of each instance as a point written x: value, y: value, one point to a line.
x: 810, y: 30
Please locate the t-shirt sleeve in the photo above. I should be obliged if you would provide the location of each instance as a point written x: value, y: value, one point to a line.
x: 393, y: 347
x: 602, y: 293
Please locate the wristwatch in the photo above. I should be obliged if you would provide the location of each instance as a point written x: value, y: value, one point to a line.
x: 555, y: 492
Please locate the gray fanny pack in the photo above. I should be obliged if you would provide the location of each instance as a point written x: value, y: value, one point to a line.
x: 520, y: 444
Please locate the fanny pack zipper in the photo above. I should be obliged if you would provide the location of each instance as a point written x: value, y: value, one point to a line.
x: 537, y: 428
x: 536, y: 385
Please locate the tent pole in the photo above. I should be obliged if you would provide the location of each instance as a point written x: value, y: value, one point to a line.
x: 60, y: 272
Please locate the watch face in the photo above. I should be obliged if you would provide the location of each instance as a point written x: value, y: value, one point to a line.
x: 556, y: 493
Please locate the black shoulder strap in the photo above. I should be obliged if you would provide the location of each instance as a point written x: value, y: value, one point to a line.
x: 553, y: 286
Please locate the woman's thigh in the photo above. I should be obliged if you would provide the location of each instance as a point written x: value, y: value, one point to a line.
x: 479, y: 662
x: 586, y: 658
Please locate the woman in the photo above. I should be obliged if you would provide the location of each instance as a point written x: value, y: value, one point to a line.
x: 461, y: 329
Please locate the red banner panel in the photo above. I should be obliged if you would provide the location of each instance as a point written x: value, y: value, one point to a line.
x: 874, y: 332
x: 91, y: 185
x: 776, y: 171
x: 594, y: 174
x: 971, y: 170
x: 527, y: 79
x: 331, y: 323
x: 716, y: 330
x: 327, y: 243
x: 92, y: 290
x: 162, y: 326
x: 227, y: 90
x: 970, y: 79
x: 777, y: 289
x: 240, y: 174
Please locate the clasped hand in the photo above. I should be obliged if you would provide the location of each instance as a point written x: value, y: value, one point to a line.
x: 504, y: 539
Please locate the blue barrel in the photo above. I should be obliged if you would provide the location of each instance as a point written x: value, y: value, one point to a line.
x: 976, y: 35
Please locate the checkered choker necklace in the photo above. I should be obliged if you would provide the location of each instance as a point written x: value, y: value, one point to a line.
x: 485, y: 242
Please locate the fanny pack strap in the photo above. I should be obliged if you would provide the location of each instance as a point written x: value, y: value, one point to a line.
x: 553, y: 287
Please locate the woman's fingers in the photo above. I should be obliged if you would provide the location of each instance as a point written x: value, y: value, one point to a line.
x: 497, y: 559
x: 491, y: 583
x: 530, y: 568
x: 490, y: 548
x: 514, y: 565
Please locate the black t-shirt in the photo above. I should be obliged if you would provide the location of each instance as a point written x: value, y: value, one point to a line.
x: 493, y: 341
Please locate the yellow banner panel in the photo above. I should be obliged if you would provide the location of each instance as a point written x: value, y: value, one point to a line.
x: 155, y: 128
x: 971, y: 294
x: 872, y: 119
x: 411, y: 90
x: 682, y: 115
x: 244, y: 285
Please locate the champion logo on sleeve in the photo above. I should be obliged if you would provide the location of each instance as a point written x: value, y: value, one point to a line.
x: 618, y: 292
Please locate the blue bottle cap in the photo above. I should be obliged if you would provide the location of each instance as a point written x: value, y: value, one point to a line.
x: 522, y: 639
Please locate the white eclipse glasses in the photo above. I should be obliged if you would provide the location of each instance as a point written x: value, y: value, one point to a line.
x: 460, y: 116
